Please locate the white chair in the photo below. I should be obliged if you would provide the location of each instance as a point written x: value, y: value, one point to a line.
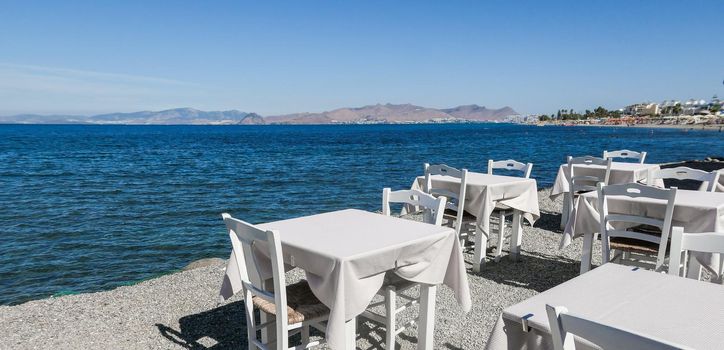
x: 294, y: 308
x: 503, y: 211
x: 682, y: 243
x: 632, y: 233
x: 564, y: 326
x: 580, y: 183
x: 625, y: 154
x: 510, y: 164
x: 433, y: 211
x: 709, y: 180
x: 455, y: 200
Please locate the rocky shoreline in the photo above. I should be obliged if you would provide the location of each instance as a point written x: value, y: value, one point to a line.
x: 182, y: 309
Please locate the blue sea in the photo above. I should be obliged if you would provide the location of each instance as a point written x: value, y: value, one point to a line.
x: 88, y: 208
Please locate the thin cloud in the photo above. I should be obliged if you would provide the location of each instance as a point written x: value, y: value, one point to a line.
x: 38, y: 89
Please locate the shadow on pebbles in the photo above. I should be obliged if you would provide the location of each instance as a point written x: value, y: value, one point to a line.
x: 182, y: 310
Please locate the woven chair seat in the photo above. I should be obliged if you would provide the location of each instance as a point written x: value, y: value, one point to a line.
x: 302, y: 304
x: 638, y: 246
x: 635, y: 245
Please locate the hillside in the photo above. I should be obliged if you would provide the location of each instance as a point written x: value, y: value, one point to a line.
x: 392, y: 113
x: 379, y: 113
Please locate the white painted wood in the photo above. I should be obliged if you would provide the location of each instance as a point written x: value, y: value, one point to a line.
x: 516, y: 238
x: 583, y: 183
x: 564, y: 326
x: 510, y: 164
x: 586, y: 253
x: 426, y: 332
x: 244, y: 237
x: 501, y: 234
x: 391, y: 316
x: 634, y: 190
x: 683, y: 243
x: 481, y: 240
x: 433, y: 208
x: 626, y: 154
x: 351, y: 333
x: 514, y: 165
x: 710, y: 179
x: 455, y: 201
x: 436, y: 208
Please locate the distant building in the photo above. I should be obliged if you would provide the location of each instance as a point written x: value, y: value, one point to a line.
x: 642, y: 109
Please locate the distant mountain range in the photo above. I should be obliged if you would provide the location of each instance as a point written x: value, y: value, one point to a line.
x: 387, y: 113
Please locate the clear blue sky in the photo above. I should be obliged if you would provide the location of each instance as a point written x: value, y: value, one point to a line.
x: 280, y: 57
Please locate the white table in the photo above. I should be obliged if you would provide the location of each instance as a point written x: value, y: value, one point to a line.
x: 696, y: 211
x: 345, y: 255
x: 671, y: 308
x: 621, y: 173
x: 483, y: 192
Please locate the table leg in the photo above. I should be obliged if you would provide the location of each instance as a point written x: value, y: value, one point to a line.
x: 693, y: 270
x: 481, y: 243
x: 350, y: 330
x: 566, y: 209
x: 426, y: 323
x: 587, y: 252
x: 516, y: 238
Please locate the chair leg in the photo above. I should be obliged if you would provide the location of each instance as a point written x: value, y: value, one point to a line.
x: 250, y: 322
x: 305, y: 334
x: 391, y: 313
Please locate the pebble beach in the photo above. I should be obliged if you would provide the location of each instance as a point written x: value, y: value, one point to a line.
x: 182, y: 310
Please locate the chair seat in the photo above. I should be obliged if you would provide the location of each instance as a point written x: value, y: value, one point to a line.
x: 635, y: 245
x: 302, y: 304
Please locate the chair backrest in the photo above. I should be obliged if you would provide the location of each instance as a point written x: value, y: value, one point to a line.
x: 626, y: 154
x: 587, y: 182
x: 510, y: 164
x: 711, y: 179
x: 564, y: 326
x: 433, y: 208
x: 245, y: 238
x: 627, y: 220
x: 455, y: 200
x: 709, y: 242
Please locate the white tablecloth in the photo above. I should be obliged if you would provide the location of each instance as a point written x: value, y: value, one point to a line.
x: 696, y: 211
x: 675, y: 309
x: 484, y: 191
x: 346, y: 253
x: 621, y: 173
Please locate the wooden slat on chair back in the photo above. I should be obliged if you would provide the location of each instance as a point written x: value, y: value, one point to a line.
x: 625, y: 154
x: 246, y: 237
x: 564, y: 326
x: 459, y: 203
x: 510, y: 164
x: 579, y: 183
x: 434, y: 208
x: 711, y: 179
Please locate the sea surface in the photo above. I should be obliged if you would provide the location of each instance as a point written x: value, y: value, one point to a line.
x: 89, y: 208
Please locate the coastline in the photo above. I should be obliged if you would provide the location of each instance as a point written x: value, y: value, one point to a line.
x: 181, y: 310
x: 706, y: 127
